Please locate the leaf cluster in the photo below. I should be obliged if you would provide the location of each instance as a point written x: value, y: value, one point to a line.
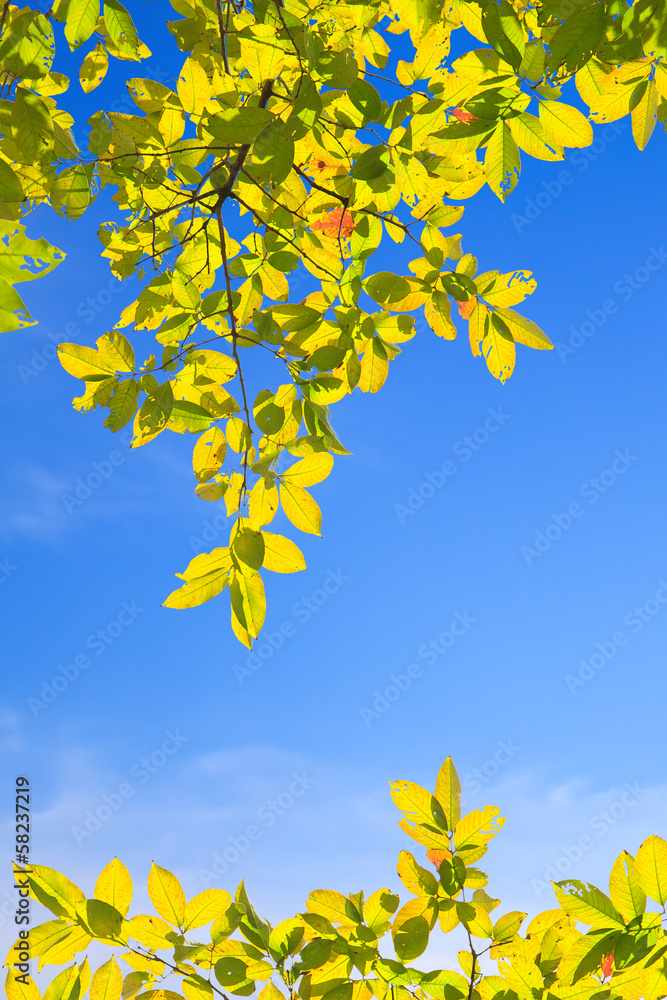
x: 276, y: 155
x: 332, y: 949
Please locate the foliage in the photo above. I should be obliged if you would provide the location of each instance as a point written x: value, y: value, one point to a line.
x: 332, y: 950
x: 280, y: 148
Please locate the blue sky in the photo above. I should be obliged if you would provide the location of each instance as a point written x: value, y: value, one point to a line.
x: 302, y: 748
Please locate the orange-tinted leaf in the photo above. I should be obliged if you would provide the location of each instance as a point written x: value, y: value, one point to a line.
x: 337, y: 222
x: 464, y: 116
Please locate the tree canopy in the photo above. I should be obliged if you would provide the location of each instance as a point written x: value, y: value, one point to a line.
x: 332, y: 950
x: 282, y: 145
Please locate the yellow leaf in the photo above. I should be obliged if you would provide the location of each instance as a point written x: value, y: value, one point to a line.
x: 54, y: 891
x: 565, y: 124
x: 193, y: 87
x: 531, y: 136
x: 270, y: 992
x: 171, y: 125
x: 67, y: 985
x: 198, y: 590
x: 240, y: 632
x: 300, y: 508
x: 374, y: 365
x: 525, y: 331
x: 475, y: 918
x: 248, y: 601
x: 650, y: 867
x: 196, y: 988
x: 166, y: 894
x: 206, y: 906
x: 448, y: 792
x: 263, y: 503
x: 114, y: 354
x: 238, y: 435
x: 473, y: 832
x: 114, y: 886
x: 438, y: 315
x: 20, y: 990
x: 151, y: 931
x: 209, y: 454
x: 626, y: 894
x: 644, y: 115
x: 311, y: 470
x: 94, y: 68
x: 499, y: 353
x: 281, y: 555
x: 107, y: 983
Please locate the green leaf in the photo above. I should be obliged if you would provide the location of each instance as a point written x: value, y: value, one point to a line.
x: 119, y: 24
x: 273, y: 153
x: 502, y: 162
x: 576, y: 40
x: 11, y: 189
x: 32, y: 127
x: 504, y: 32
x: 100, y: 919
x: 247, y: 549
x: 236, y: 126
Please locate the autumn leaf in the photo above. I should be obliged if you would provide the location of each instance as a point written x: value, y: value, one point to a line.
x: 336, y: 223
x: 607, y: 964
x: 463, y: 116
x: 436, y: 857
x: 465, y: 308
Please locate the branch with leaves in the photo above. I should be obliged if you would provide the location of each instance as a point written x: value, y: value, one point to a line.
x: 332, y: 950
x: 272, y: 152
